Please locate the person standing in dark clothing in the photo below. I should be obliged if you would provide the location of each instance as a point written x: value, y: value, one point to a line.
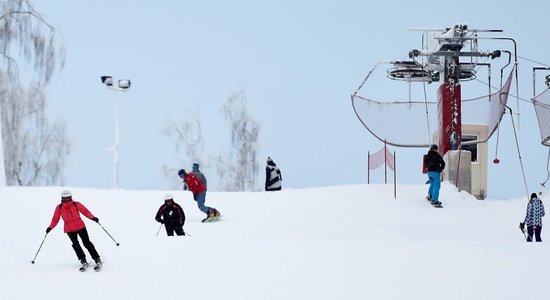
x: 172, y: 216
x: 435, y: 165
x: 273, y: 177
x: 70, y: 211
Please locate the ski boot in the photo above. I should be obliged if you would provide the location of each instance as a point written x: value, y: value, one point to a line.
x: 84, y: 265
x: 97, y: 266
x: 437, y: 204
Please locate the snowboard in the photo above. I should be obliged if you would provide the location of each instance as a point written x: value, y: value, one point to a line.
x: 430, y: 201
x: 211, y: 219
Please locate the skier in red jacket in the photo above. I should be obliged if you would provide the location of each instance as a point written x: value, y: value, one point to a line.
x: 194, y: 184
x: 69, y: 211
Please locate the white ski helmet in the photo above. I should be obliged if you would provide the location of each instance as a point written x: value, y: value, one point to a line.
x: 168, y: 197
x: 66, y: 194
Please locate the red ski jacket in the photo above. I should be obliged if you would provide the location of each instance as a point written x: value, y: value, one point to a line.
x: 70, y: 212
x: 193, y: 184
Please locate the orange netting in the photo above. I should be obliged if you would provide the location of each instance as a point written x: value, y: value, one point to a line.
x: 379, y: 158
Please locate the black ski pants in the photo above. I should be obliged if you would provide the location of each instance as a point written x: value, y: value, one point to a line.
x: 83, y: 233
x: 536, y: 232
x: 171, y: 227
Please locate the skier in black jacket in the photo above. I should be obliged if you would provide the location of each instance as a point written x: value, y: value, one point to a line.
x: 172, y: 216
x: 435, y: 165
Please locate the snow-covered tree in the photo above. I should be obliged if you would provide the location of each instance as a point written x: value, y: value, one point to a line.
x: 27, y: 137
x: 189, y: 146
x: 37, y: 150
x: 238, y: 170
x: 26, y: 36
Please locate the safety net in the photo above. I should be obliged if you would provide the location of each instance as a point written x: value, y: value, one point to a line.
x: 413, y: 123
x: 542, y: 110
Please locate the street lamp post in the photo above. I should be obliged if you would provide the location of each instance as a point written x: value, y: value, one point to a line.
x: 123, y: 86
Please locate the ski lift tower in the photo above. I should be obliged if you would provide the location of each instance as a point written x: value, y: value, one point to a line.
x: 444, y: 65
x: 450, y: 56
x: 450, y: 63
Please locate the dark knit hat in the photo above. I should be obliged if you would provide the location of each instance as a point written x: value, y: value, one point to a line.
x: 269, y: 160
x: 181, y: 173
x: 533, y: 195
x: 195, y: 166
x: 433, y: 147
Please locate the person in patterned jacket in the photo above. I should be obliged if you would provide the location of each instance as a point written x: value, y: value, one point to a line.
x: 533, y: 218
x: 70, y: 211
x: 273, y: 176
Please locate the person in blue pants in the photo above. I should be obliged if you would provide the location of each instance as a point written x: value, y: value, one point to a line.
x: 435, y: 165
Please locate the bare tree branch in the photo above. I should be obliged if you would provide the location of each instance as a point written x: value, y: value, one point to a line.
x: 238, y: 170
x: 34, y: 150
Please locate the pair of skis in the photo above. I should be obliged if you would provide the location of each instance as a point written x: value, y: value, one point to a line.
x: 84, y: 267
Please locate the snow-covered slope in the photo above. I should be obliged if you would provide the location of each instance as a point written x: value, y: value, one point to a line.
x: 337, y: 242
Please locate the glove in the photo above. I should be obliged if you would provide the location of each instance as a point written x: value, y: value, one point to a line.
x: 48, y: 230
x: 521, y: 225
x: 161, y: 221
x: 95, y: 219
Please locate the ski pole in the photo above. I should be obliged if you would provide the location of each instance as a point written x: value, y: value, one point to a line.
x: 522, y: 228
x: 39, y: 248
x: 108, y: 234
x: 159, y: 230
x: 187, y: 233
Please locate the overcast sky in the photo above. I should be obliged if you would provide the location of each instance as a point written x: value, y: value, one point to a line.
x: 298, y: 63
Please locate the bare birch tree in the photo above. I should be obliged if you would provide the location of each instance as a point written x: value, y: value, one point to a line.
x: 238, y: 170
x: 34, y: 151
x: 189, y: 146
x: 37, y: 151
x: 26, y: 36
